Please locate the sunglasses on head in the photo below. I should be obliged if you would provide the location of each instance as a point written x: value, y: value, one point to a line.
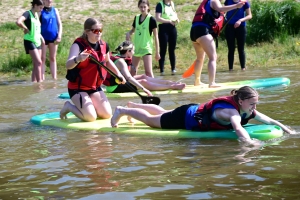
x: 96, y: 31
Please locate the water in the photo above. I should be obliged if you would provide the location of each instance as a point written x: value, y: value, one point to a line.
x: 40, y: 162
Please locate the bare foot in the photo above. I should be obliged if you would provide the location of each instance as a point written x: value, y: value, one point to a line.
x: 198, y: 82
x: 130, y: 119
x: 214, y: 85
x: 130, y: 104
x: 244, y: 69
x: 180, y: 86
x: 116, y: 116
x: 64, y: 111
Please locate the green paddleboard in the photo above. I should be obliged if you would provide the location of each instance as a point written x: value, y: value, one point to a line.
x: 261, y: 132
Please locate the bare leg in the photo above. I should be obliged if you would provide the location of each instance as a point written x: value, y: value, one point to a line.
x: 86, y: 113
x: 68, y: 107
x: 208, y: 44
x: 155, y: 80
x: 150, y: 108
x: 148, y: 65
x: 101, y: 105
x: 156, y: 86
x: 135, y: 64
x: 44, y: 52
x: 199, y: 63
x: 52, y: 57
x: 36, y: 75
x: 137, y: 113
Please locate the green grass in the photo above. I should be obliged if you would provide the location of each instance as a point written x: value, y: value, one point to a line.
x: 278, y: 45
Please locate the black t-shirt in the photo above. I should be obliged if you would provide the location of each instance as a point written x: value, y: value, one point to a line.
x: 27, y: 21
x: 158, y: 8
x: 152, y: 23
x: 95, y: 46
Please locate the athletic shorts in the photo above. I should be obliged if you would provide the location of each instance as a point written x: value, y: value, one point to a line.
x: 122, y: 88
x: 174, y: 119
x: 73, y: 92
x: 49, y: 41
x: 28, y: 45
x: 198, y: 31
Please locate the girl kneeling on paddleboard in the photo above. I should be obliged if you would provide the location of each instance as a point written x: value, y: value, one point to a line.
x: 229, y: 112
x: 123, y: 61
x: 86, y: 77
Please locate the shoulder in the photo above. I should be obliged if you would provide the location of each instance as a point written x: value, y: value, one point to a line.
x: 158, y: 8
x: 26, y: 14
x: 152, y: 19
x: 247, y: 5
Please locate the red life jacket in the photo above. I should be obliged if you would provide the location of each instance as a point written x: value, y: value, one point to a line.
x: 211, y: 17
x: 111, y: 80
x: 204, y: 114
x: 89, y: 75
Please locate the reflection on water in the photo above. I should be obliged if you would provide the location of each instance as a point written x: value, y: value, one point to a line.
x: 51, y: 163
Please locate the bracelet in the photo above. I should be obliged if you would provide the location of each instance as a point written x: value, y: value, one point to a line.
x: 75, y: 61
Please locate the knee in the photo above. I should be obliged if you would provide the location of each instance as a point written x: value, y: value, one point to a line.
x: 143, y: 76
x: 143, y: 81
x: 89, y: 118
x: 52, y: 58
x: 106, y: 115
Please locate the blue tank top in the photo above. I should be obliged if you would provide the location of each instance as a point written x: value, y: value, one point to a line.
x: 49, y: 26
x: 240, y: 13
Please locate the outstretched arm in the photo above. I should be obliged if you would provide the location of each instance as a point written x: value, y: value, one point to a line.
x: 267, y: 120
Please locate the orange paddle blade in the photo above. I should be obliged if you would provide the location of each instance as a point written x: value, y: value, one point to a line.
x: 190, y: 71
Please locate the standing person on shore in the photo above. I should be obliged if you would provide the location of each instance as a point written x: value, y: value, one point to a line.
x: 86, y: 77
x: 144, y: 26
x: 123, y: 61
x: 203, y: 41
x: 236, y: 30
x: 167, y: 18
x: 51, y: 29
x: 31, y: 26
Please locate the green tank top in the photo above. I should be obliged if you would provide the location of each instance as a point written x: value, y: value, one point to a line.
x: 143, y: 41
x: 34, y: 34
x: 168, y: 12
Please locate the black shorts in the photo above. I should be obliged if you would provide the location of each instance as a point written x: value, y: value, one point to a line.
x: 73, y: 92
x: 198, y: 31
x: 122, y: 88
x: 174, y: 119
x: 28, y: 45
x: 49, y: 41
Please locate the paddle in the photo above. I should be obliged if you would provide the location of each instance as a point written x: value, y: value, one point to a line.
x: 190, y: 71
x: 145, y: 99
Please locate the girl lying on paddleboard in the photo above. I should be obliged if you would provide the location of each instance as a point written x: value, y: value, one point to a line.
x: 123, y: 61
x: 229, y: 112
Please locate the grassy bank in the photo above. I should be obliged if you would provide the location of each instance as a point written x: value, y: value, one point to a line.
x: 280, y: 47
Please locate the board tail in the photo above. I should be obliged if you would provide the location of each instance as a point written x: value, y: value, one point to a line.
x: 190, y: 71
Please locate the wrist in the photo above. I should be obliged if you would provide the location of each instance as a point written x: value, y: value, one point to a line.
x: 75, y: 60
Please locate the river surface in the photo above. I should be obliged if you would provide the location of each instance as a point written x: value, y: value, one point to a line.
x: 39, y: 162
